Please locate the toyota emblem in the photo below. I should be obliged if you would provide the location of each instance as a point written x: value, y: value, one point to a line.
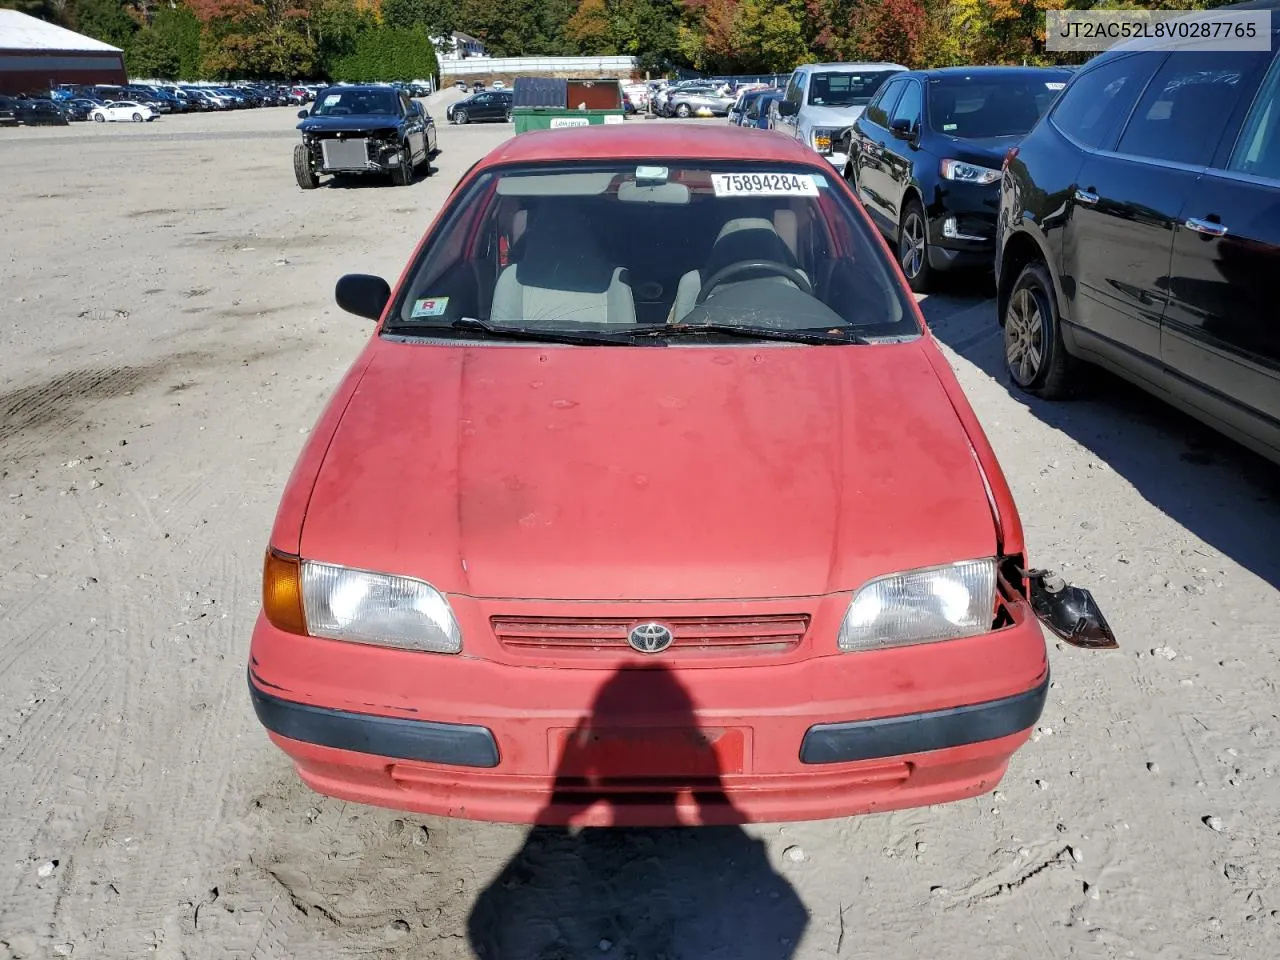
x: 650, y: 637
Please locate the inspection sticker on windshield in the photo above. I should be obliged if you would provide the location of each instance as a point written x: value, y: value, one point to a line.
x: 331, y: 99
x: 1055, y: 85
x: 430, y: 307
x: 764, y: 185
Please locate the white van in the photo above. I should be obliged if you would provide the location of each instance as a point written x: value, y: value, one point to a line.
x: 823, y: 99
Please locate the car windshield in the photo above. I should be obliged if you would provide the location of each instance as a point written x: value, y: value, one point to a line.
x: 341, y: 103
x: 978, y: 107
x: 629, y: 251
x: 845, y: 89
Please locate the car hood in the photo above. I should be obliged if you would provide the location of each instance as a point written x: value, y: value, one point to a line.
x: 622, y: 473
x: 983, y: 151
x: 355, y: 123
x: 834, y: 117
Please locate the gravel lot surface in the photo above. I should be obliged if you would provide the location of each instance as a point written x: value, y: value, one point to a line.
x: 167, y: 338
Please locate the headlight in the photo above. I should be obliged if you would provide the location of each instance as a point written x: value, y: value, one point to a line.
x: 963, y: 172
x: 822, y: 140
x: 919, y: 606
x: 380, y: 608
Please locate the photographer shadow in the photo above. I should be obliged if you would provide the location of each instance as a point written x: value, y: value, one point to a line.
x: 686, y: 893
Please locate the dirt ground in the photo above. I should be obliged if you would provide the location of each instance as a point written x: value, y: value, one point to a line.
x: 167, y: 338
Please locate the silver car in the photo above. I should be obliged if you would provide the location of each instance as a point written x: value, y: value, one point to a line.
x: 691, y: 100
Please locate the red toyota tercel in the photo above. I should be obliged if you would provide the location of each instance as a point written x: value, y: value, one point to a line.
x: 651, y: 500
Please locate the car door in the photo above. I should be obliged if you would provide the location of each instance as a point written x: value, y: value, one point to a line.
x: 413, y: 126
x: 1128, y: 199
x: 898, y: 158
x: 795, y: 92
x: 484, y: 107
x: 1221, y: 333
x: 871, y: 136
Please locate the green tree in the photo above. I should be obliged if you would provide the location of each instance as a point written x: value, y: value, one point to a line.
x: 771, y: 35
x: 388, y: 53
x: 646, y: 29
x: 153, y: 56
x: 106, y: 20
x: 179, y: 30
x: 335, y: 26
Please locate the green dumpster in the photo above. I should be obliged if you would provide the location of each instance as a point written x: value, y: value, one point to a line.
x: 550, y: 103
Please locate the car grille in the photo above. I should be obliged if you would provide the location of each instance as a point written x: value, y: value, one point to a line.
x: 768, y: 633
x: 345, y: 154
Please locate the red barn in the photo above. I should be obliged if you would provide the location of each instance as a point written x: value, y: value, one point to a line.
x: 35, y: 56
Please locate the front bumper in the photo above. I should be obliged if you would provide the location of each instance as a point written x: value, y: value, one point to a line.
x: 962, y: 226
x: 816, y: 738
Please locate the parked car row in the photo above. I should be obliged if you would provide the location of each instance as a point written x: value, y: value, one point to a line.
x: 31, y: 111
x: 142, y: 102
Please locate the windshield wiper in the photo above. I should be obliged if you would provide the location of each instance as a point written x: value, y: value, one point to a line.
x: 585, y: 338
x: 811, y: 335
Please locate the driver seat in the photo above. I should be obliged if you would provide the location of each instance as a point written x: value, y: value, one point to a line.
x: 739, y: 240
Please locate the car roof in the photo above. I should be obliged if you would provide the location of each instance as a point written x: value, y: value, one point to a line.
x: 1140, y: 44
x: 848, y: 67
x: 366, y: 87
x: 996, y: 71
x: 647, y: 142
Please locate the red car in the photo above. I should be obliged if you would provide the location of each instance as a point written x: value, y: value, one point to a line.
x: 651, y: 500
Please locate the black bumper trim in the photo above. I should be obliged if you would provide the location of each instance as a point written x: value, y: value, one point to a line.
x: 456, y: 744
x: 922, y: 732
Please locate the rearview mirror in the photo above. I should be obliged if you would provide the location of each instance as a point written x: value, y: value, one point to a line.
x: 362, y: 294
x: 788, y: 108
x: 901, y: 128
x: 303, y: 114
x: 1070, y: 612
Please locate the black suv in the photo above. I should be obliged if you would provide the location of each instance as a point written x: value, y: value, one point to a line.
x: 925, y: 159
x: 486, y: 105
x: 1139, y: 230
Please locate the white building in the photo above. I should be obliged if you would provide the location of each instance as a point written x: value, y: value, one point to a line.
x: 459, y: 46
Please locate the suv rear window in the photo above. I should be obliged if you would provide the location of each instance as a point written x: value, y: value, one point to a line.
x: 1093, y: 107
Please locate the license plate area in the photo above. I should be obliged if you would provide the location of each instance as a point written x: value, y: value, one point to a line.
x: 649, y: 752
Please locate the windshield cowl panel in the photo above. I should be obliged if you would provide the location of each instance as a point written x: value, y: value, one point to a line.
x: 612, y: 252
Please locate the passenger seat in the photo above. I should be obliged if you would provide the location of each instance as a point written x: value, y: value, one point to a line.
x: 562, y: 275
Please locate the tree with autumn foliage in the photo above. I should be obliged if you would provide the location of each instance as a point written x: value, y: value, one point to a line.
x: 286, y: 39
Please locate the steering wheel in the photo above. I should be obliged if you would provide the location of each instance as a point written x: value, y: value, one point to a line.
x: 746, y: 266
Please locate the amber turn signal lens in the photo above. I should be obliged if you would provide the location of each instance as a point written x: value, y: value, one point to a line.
x: 282, y: 592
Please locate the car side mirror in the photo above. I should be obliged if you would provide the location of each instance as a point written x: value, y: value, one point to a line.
x: 788, y: 108
x: 303, y: 114
x: 362, y: 294
x: 1070, y: 612
x: 901, y: 128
